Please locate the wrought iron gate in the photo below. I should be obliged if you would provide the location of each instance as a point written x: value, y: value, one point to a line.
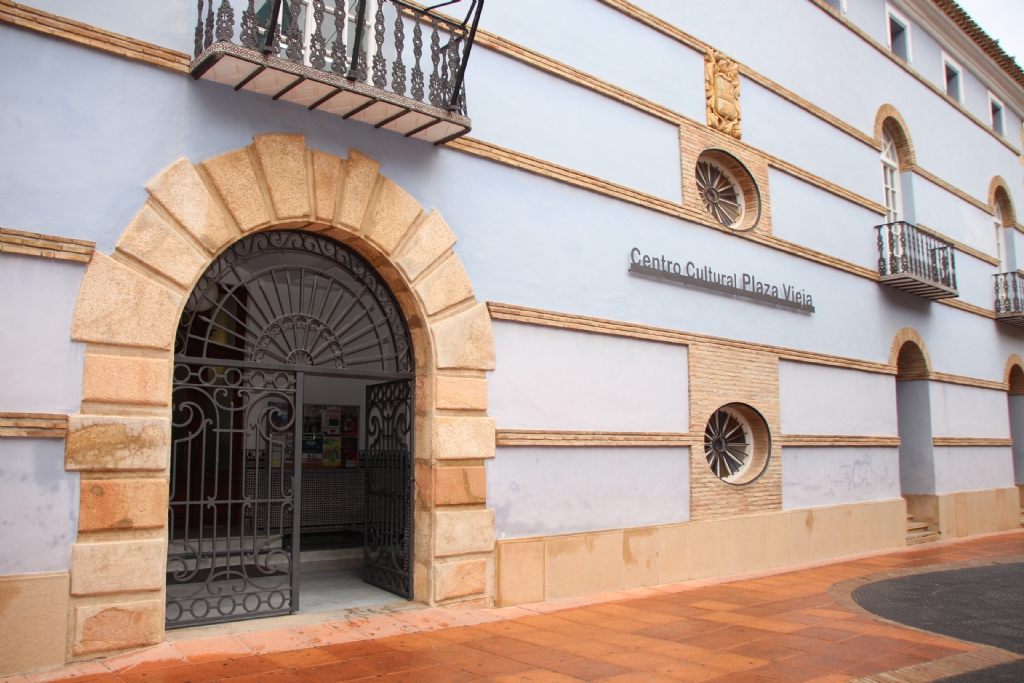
x: 232, y: 552
x: 271, y: 308
x: 388, y: 536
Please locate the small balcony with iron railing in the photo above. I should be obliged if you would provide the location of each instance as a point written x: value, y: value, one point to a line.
x: 391, y: 63
x: 1010, y: 298
x: 916, y: 261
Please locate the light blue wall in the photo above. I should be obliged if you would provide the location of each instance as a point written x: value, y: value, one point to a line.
x: 523, y: 239
x: 791, y: 133
x: 549, y: 491
x: 167, y: 23
x: 850, y: 79
x: 38, y: 506
x: 953, y: 217
x: 40, y: 367
x: 807, y: 215
x: 519, y: 107
x: 600, y: 41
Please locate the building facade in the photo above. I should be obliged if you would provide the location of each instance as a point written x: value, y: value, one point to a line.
x: 522, y: 302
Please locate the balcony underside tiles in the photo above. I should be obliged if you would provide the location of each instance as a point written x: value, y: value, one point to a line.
x: 246, y: 69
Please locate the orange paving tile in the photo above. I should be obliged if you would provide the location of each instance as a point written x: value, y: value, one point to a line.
x: 768, y: 628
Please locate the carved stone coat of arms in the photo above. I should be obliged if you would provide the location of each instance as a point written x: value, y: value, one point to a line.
x: 722, y: 90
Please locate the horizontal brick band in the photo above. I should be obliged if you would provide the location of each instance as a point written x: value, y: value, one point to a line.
x: 807, y: 440
x: 526, y: 437
x: 37, y: 425
x: 45, y: 246
x: 970, y: 441
x: 84, y: 34
x: 571, y: 321
x: 521, y: 314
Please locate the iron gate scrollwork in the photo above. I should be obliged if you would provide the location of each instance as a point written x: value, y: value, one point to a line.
x: 231, y: 494
x: 388, y: 536
x: 271, y: 308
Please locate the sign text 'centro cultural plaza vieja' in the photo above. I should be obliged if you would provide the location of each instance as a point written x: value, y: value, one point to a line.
x: 742, y: 285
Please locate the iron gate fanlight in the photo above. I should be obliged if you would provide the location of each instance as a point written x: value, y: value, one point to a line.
x: 294, y: 298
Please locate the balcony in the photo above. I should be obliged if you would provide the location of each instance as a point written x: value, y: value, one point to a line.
x: 1010, y: 298
x: 916, y: 261
x: 346, y: 57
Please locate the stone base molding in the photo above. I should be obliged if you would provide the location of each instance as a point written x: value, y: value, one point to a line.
x: 967, y: 513
x: 128, y: 309
x: 33, y: 621
x: 555, y: 567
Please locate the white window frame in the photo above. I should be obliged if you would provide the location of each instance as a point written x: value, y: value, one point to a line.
x: 1000, y: 226
x: 891, y: 189
x: 893, y: 13
x: 843, y: 7
x: 947, y: 60
x: 992, y: 99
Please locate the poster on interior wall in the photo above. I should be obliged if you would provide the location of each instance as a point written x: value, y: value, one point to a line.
x: 350, y: 452
x: 311, y: 420
x: 312, y: 449
x: 332, y: 452
x: 350, y: 421
x: 331, y: 420
x: 279, y: 414
x: 289, y: 448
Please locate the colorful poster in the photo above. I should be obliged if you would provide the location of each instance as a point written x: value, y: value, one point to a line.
x: 312, y: 449
x: 311, y: 420
x: 350, y: 452
x: 349, y: 421
x: 331, y: 420
x: 332, y: 452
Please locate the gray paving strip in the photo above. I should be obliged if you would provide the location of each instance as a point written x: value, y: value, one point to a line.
x: 1003, y: 673
x: 978, y: 604
x: 986, y: 659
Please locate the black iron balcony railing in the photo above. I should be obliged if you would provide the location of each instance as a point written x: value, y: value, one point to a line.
x: 391, y: 63
x: 1010, y: 298
x: 916, y: 261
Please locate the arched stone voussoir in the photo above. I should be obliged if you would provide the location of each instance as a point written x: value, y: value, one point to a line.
x: 283, y: 160
x: 429, y: 241
x: 182, y: 192
x: 118, y: 306
x: 465, y: 341
x: 444, y: 287
x: 908, y: 334
x: 150, y: 240
x: 356, y: 189
x: 393, y: 214
x: 234, y: 178
x: 1013, y: 384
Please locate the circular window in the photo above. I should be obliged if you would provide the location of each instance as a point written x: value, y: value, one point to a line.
x: 720, y: 193
x: 727, y: 190
x: 737, y: 444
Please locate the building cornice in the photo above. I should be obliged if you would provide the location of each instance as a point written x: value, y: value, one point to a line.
x: 954, y: 39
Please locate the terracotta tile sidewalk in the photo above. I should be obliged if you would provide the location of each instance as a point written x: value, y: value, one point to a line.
x: 779, y: 626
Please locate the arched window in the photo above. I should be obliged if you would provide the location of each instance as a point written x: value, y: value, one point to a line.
x: 890, y: 177
x: 1000, y: 243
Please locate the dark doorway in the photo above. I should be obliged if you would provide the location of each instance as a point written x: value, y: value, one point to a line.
x: 291, y: 462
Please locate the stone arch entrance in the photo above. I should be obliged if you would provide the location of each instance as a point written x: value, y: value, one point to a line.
x: 291, y: 435
x: 128, y: 309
